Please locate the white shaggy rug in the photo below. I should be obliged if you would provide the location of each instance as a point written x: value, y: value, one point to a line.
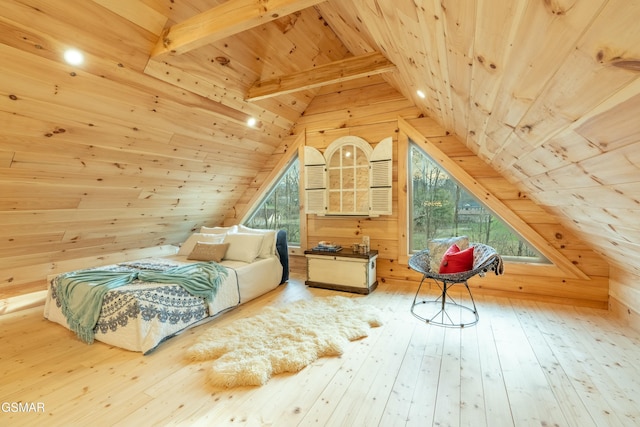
x: 286, y: 339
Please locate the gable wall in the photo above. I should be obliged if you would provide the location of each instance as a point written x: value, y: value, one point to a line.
x: 370, y: 109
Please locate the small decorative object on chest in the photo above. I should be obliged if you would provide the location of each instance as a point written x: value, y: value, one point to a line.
x: 348, y: 270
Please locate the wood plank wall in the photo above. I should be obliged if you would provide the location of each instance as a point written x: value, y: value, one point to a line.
x: 370, y: 109
x: 98, y: 164
x: 624, y: 296
x: 102, y: 162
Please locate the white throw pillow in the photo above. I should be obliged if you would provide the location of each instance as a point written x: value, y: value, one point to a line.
x: 190, y: 243
x: 219, y: 230
x: 243, y: 246
x: 268, y: 244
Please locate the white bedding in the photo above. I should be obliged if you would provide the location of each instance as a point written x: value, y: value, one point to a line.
x: 257, y: 278
x: 145, y: 321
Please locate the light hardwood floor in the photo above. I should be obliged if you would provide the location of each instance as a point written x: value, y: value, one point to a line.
x: 523, y: 364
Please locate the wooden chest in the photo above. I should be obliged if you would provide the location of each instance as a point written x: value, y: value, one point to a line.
x: 343, y: 271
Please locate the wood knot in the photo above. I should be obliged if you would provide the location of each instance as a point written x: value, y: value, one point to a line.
x: 526, y: 128
x: 222, y: 60
x: 627, y: 64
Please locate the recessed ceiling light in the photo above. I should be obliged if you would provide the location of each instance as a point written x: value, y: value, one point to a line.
x: 73, y: 56
x: 421, y: 94
x: 251, y: 121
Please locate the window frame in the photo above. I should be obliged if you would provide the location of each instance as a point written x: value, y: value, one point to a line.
x: 346, y: 189
x: 561, y: 264
x: 267, y: 194
x: 539, y: 260
x: 319, y: 188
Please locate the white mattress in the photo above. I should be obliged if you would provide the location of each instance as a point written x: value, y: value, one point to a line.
x: 257, y: 278
x: 144, y: 333
x: 254, y: 279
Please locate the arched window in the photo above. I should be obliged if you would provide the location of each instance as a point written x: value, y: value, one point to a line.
x: 348, y: 175
x: 351, y: 178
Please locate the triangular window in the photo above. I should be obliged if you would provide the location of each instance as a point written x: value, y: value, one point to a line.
x: 440, y: 207
x: 280, y: 208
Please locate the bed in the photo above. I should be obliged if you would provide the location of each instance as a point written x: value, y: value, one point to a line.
x: 153, y: 304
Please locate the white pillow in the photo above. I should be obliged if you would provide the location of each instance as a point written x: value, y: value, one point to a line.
x: 219, y: 230
x: 190, y: 243
x: 268, y: 244
x: 437, y: 248
x: 243, y: 246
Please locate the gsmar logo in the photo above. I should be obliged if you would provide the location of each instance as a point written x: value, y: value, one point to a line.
x: 22, y: 407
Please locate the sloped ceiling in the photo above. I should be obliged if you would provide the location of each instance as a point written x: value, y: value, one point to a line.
x: 546, y: 91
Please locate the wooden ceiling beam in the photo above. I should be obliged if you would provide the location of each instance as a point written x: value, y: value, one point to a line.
x: 224, y: 20
x: 335, y: 72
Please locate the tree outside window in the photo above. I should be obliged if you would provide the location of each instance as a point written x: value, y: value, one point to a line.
x: 441, y: 208
x: 280, y: 209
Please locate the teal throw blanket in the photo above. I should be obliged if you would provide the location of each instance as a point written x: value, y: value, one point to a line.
x: 81, y: 292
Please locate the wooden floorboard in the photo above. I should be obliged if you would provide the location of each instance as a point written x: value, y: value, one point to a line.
x: 524, y: 364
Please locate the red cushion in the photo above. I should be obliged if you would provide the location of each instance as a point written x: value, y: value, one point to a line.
x: 456, y: 261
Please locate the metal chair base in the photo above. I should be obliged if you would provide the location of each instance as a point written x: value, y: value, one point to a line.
x: 444, y: 310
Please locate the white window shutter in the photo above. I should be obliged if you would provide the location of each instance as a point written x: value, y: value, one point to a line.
x: 381, y: 178
x: 316, y: 202
x: 315, y: 181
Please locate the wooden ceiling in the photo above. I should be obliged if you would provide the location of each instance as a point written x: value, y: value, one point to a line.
x: 546, y: 92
